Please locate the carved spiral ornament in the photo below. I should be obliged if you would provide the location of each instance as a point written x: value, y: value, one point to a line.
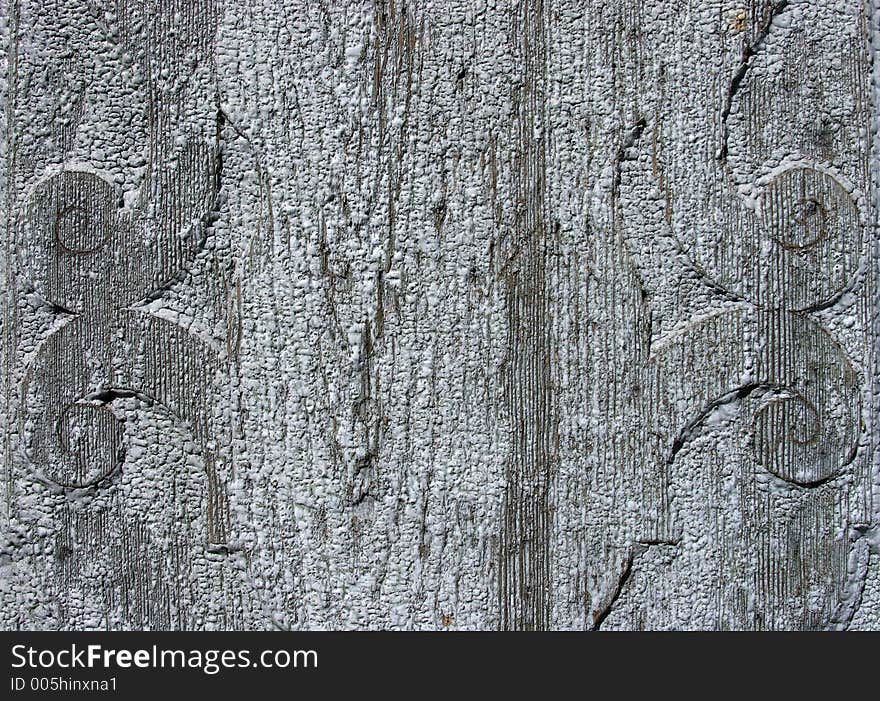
x: 810, y: 241
x: 92, y: 260
x: 804, y: 443
x: 798, y: 252
x: 72, y: 231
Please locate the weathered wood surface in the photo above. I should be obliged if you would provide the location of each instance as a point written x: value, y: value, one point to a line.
x: 448, y: 314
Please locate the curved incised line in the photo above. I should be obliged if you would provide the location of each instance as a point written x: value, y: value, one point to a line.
x: 815, y: 434
x: 690, y: 429
x: 745, y: 61
x: 201, y: 226
x: 99, y: 400
x: 802, y: 219
x: 736, y: 395
x: 633, y: 137
x: 86, y: 222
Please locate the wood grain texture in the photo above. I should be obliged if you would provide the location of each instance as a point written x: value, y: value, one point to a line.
x: 444, y: 314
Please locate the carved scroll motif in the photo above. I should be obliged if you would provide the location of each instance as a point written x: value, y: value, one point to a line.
x: 93, y: 261
x: 757, y: 403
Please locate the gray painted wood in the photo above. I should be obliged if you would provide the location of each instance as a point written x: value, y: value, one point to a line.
x: 447, y: 314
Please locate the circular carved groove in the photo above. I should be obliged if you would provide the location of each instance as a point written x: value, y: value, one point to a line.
x: 75, y: 232
x: 91, y: 445
x: 792, y: 442
x: 808, y: 225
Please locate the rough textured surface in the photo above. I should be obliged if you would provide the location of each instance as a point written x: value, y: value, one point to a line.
x: 443, y: 314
